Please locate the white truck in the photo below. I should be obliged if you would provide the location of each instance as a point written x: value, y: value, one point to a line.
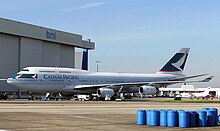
x: 83, y: 97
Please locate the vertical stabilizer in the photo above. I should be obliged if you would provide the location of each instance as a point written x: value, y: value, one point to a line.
x: 85, y: 60
x: 177, y: 63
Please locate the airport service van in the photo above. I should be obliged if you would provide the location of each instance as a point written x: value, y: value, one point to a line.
x: 83, y: 97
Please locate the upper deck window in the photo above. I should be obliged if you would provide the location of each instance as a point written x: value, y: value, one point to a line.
x: 25, y: 70
x: 48, y: 71
x: 64, y: 72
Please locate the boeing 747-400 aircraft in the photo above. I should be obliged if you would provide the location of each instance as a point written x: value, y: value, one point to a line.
x: 68, y: 80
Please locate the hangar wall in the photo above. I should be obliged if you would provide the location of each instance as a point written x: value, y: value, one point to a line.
x: 31, y: 52
x: 8, y: 58
x: 19, y: 52
x: 23, y: 45
x: 41, y: 53
x: 51, y: 54
x: 41, y: 33
x: 67, y: 56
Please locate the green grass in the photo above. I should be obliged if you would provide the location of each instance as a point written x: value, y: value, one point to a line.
x: 188, y: 101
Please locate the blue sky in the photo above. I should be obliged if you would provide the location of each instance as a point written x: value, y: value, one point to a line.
x: 133, y: 35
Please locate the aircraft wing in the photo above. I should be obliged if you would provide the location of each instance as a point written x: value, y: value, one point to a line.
x: 176, y: 82
x: 3, y: 79
x: 140, y: 83
x: 187, y: 77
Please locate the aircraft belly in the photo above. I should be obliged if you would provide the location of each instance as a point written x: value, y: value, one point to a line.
x: 133, y: 89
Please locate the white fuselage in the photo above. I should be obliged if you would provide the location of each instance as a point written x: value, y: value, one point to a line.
x: 51, y: 79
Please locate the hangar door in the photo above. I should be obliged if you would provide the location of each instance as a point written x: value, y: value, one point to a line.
x: 9, y: 59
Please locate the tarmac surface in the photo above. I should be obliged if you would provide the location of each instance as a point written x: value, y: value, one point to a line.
x: 23, y: 115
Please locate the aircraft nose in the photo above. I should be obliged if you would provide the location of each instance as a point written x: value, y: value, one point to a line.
x: 11, y: 81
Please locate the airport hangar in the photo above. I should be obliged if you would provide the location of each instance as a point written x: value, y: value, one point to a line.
x: 23, y: 45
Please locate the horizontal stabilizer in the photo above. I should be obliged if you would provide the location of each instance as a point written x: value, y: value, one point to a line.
x: 208, y: 79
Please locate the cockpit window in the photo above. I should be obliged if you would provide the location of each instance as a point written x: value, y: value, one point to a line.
x: 30, y: 76
x: 14, y: 76
x: 25, y: 70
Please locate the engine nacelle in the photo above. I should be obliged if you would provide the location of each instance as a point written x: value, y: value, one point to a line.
x: 147, y: 90
x: 103, y: 92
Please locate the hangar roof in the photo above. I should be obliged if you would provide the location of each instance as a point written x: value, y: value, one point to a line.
x: 42, y: 33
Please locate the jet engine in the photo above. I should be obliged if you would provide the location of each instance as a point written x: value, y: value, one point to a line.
x: 103, y: 92
x: 148, y: 90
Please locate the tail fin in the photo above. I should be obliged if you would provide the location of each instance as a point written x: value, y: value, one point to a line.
x: 177, y: 63
x: 85, y: 60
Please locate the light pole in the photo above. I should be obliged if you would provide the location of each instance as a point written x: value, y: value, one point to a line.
x: 97, y: 65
